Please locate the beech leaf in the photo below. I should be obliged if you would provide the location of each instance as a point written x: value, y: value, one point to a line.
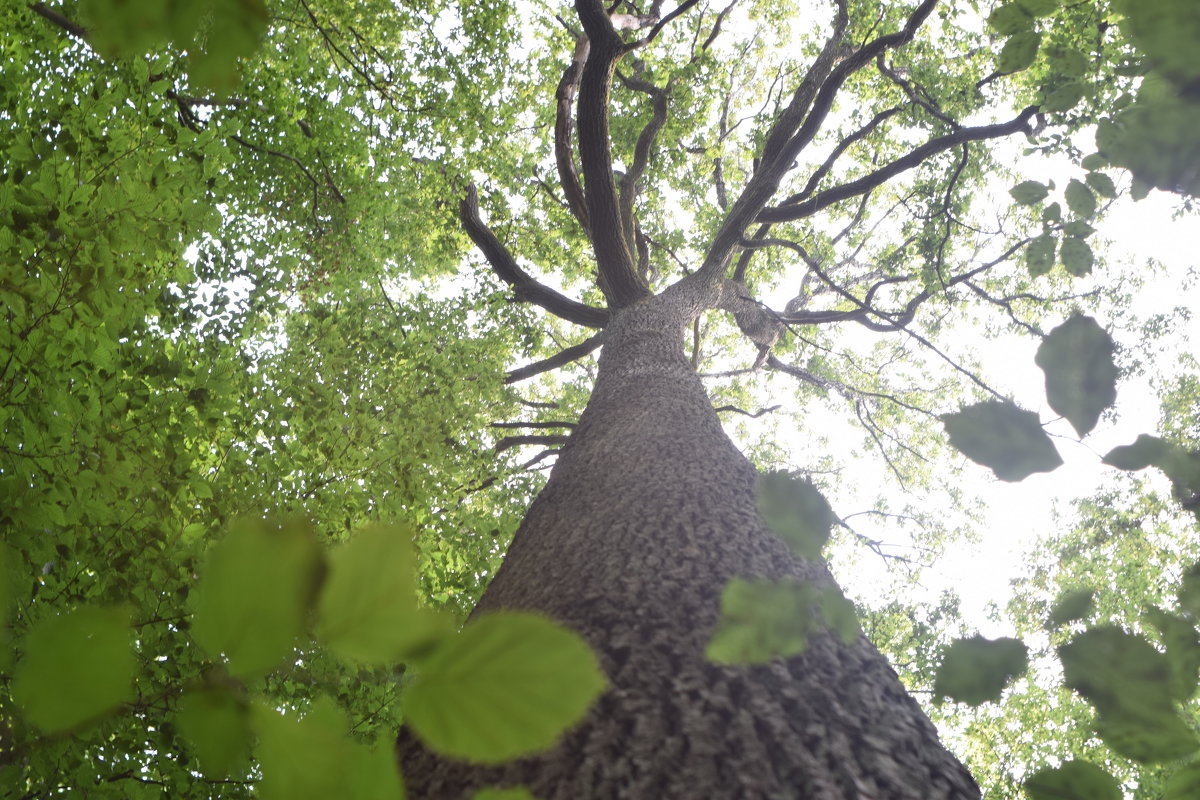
x: 368, y: 608
x: 1029, y: 192
x: 1019, y: 52
x: 1077, y: 257
x: 1081, y: 377
x: 508, y: 685
x: 217, y: 724
x: 253, y: 596
x: 1008, y: 440
x: 1080, y: 198
x: 1074, y: 780
x: 976, y: 670
x: 76, y: 667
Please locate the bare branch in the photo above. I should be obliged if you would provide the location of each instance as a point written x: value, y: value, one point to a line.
x: 568, y: 355
x: 631, y: 184
x: 754, y: 415
x: 506, y: 268
x: 564, y: 125
x: 509, y: 442
x: 794, y: 207
x: 76, y: 30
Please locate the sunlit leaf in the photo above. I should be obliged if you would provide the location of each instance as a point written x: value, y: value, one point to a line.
x: 508, y: 685
x: 1074, y: 780
x: 1007, y: 439
x: 1081, y: 377
x: 367, y: 610
x: 75, y: 667
x: 976, y: 670
x: 795, y: 510
x: 254, y: 593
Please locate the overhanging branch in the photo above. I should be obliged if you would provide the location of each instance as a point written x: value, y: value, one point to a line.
x: 573, y: 353
x: 506, y: 268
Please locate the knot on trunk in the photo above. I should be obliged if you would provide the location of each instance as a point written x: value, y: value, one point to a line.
x: 760, y: 324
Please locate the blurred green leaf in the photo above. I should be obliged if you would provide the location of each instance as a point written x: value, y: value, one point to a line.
x: 368, y: 609
x: 1009, y: 19
x: 976, y: 670
x: 795, y: 510
x: 76, y: 667
x: 1019, y: 52
x: 1184, y: 784
x: 1077, y: 257
x: 313, y: 758
x: 217, y: 724
x: 1081, y: 377
x: 508, y: 685
x: 1074, y: 780
x: 1029, y: 192
x: 1146, y: 451
x: 1080, y: 199
x: 253, y: 596
x: 493, y: 793
x: 1063, y: 98
x: 1072, y: 606
x: 1002, y: 437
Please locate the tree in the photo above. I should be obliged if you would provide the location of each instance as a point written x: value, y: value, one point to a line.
x: 246, y: 234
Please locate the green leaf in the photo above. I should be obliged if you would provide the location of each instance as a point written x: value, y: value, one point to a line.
x: 1094, y: 161
x: 976, y: 670
x: 217, y: 724
x: 1146, y: 451
x: 1078, y: 228
x: 1149, y: 738
x: 253, y: 595
x: 1080, y: 199
x: 508, y: 685
x: 1184, y: 784
x: 762, y: 620
x: 1039, y: 8
x: 1182, y: 651
x: 1074, y: 780
x: 796, y: 511
x: 1052, y: 213
x: 313, y: 758
x: 368, y: 609
x: 76, y: 667
x: 1063, y: 98
x: 1072, y: 606
x: 1065, y: 61
x: 1154, y: 138
x: 1076, y: 256
x: 1007, y: 439
x: 1102, y: 184
x: 495, y: 793
x: 1019, y: 52
x: 1010, y: 18
x: 1081, y: 377
x: 1189, y: 591
x: 1167, y: 31
x: 1129, y: 683
x: 1029, y: 192
x: 1039, y: 255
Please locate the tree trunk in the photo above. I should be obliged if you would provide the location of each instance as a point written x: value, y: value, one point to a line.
x: 649, y: 511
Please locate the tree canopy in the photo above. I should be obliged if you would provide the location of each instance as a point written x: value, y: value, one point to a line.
x: 300, y: 297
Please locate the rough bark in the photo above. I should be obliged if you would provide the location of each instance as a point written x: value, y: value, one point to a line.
x: 649, y: 511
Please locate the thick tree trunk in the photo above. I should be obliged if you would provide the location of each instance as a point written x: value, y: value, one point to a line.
x: 648, y: 513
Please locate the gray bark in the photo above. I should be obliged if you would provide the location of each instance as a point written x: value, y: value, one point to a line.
x: 649, y: 511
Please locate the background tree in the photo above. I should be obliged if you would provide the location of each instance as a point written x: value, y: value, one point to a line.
x: 214, y: 310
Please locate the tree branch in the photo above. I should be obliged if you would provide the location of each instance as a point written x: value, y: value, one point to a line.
x: 573, y: 353
x: 76, y: 30
x: 564, y: 127
x: 794, y: 207
x: 617, y: 271
x: 506, y: 268
x: 509, y: 442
